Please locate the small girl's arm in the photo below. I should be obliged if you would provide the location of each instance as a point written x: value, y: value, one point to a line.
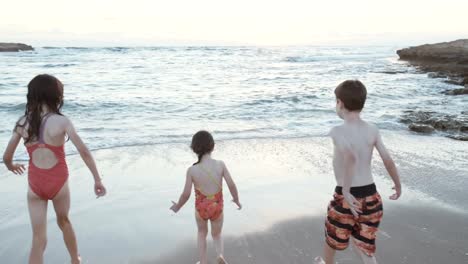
x: 9, y: 152
x: 232, y: 186
x: 185, y: 194
x: 87, y: 157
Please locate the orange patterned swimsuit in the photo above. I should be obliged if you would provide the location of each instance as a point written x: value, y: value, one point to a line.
x: 209, y: 207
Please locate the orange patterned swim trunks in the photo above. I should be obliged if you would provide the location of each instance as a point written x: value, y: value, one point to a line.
x: 341, y: 223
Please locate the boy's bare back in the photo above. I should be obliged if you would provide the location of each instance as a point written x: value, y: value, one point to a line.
x: 359, y: 138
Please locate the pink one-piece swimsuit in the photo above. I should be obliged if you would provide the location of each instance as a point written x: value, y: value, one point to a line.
x: 46, y: 183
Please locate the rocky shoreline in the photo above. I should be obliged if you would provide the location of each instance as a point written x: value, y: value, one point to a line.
x: 448, y: 61
x: 14, y: 47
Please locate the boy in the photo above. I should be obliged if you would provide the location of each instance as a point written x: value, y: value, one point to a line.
x: 356, y: 209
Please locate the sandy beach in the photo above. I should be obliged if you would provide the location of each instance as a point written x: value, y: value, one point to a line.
x: 285, y: 185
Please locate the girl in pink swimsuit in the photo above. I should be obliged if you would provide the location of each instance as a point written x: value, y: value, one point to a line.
x: 207, y: 176
x: 43, y: 129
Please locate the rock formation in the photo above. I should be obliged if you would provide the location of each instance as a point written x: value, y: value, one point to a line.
x: 446, y: 60
x: 14, y: 47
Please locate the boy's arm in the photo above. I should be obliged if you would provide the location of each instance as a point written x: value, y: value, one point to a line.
x: 87, y: 157
x: 389, y: 165
x: 10, y: 151
x: 185, y: 194
x: 232, y: 186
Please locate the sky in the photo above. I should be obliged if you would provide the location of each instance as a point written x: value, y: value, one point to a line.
x: 235, y: 22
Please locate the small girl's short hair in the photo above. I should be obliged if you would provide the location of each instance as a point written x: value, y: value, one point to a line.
x: 353, y: 94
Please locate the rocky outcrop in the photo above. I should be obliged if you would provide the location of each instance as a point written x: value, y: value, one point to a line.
x: 14, y: 47
x: 453, y: 126
x: 426, y: 129
x: 461, y: 91
x: 443, y: 60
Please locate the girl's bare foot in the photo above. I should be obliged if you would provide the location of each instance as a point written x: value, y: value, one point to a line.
x: 221, y: 260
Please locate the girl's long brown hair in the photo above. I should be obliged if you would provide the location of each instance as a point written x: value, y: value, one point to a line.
x: 43, y: 90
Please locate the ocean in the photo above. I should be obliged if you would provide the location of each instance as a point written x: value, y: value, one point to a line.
x: 125, y: 96
x: 269, y: 109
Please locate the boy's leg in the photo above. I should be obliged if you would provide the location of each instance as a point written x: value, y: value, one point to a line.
x: 216, y: 230
x: 338, y: 228
x: 364, y: 257
x: 363, y: 238
x: 38, y: 215
x: 329, y: 254
x: 62, y: 206
x: 202, y: 233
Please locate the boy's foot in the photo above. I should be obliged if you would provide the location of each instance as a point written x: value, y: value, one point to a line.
x: 319, y: 260
x: 77, y: 261
x: 221, y: 260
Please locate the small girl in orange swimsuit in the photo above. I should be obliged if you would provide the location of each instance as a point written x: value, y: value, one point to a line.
x: 43, y: 129
x: 207, y: 176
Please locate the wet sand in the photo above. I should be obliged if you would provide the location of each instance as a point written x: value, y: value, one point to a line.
x: 285, y: 185
x: 408, y: 235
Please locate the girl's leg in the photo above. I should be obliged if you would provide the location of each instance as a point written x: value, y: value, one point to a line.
x: 365, y: 258
x: 38, y: 214
x: 216, y: 230
x: 202, y: 233
x: 329, y: 254
x: 62, y: 206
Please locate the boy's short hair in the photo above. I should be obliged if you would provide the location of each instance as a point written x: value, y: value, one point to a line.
x: 353, y: 94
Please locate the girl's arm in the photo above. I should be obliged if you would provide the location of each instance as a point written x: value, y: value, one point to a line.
x: 9, y: 152
x: 185, y: 194
x: 232, y: 186
x: 87, y: 157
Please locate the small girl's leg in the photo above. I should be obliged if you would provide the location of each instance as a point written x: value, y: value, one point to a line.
x: 62, y: 206
x: 38, y: 214
x: 202, y: 233
x: 216, y: 230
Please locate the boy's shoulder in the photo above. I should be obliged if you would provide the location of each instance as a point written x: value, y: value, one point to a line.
x: 337, y: 131
x: 343, y: 128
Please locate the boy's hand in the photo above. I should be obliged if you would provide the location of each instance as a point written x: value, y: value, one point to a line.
x: 354, y: 204
x: 17, y: 169
x: 175, y: 207
x: 239, y: 205
x: 99, y: 189
x: 397, y: 193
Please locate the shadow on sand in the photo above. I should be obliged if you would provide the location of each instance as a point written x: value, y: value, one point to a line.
x: 408, y: 235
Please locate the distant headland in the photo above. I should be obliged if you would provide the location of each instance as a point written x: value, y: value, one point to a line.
x: 14, y: 47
